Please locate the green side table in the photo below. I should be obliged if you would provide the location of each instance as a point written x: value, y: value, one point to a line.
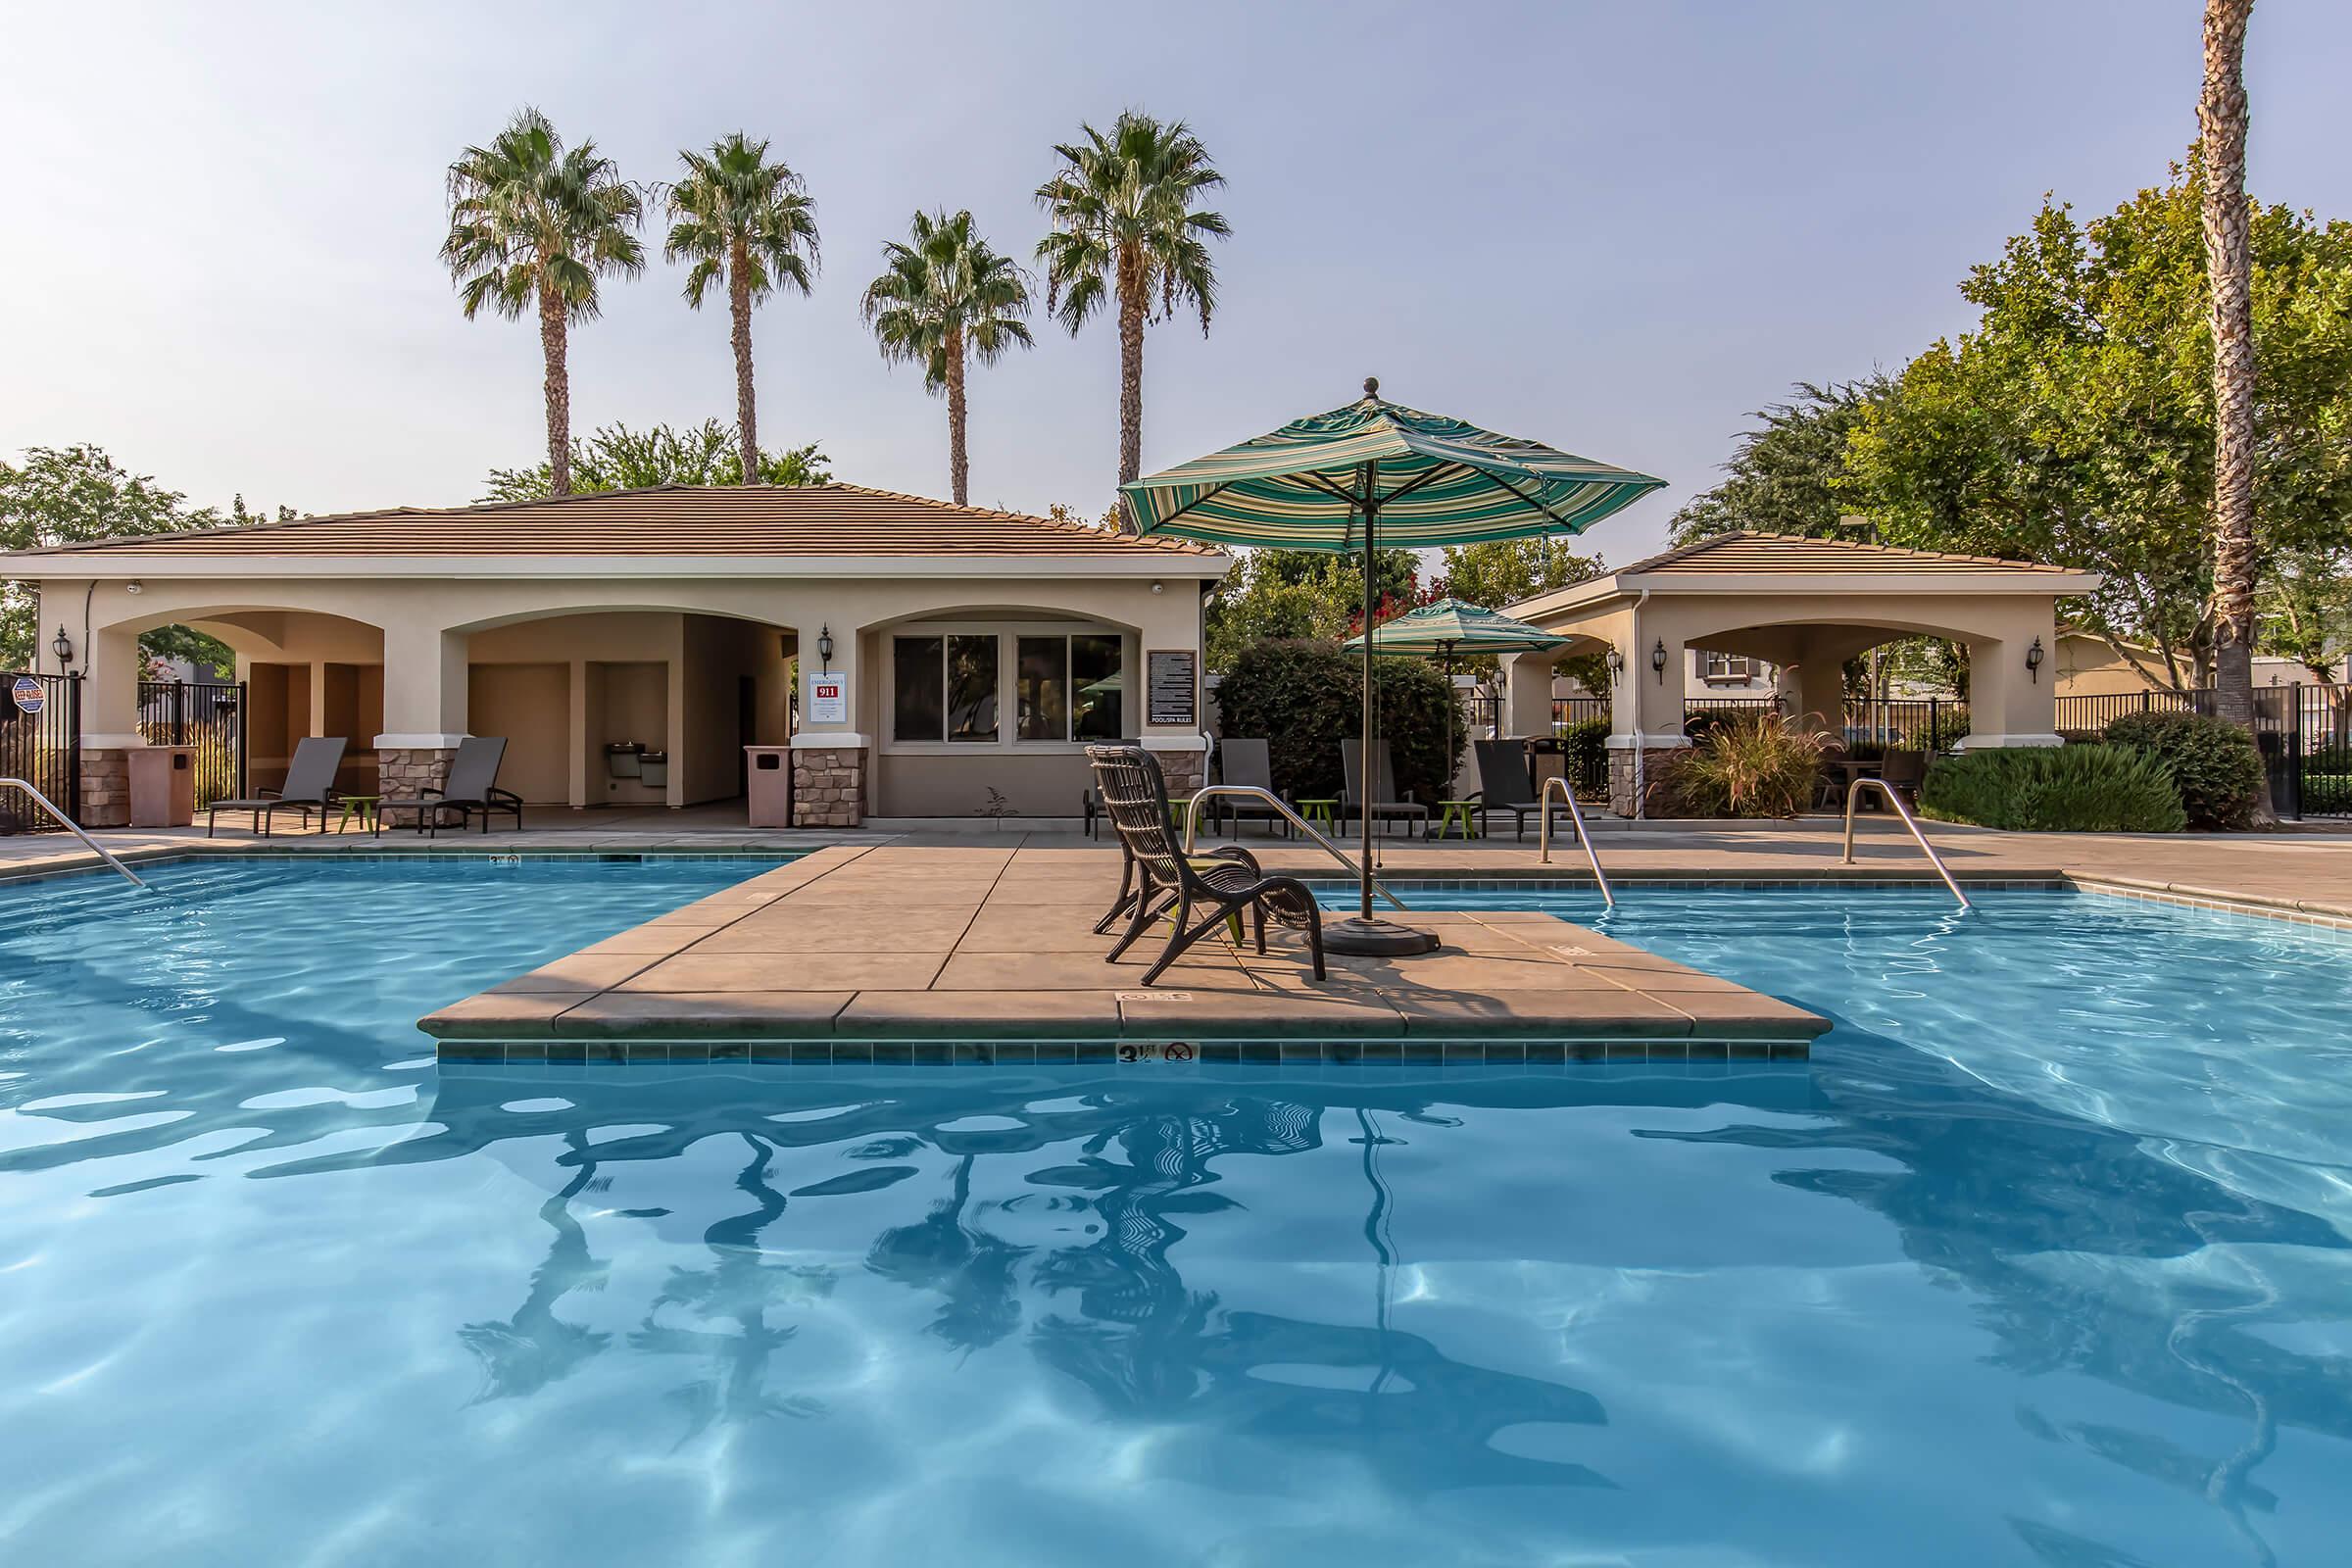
x: 1453, y: 812
x: 360, y: 808
x: 1321, y: 813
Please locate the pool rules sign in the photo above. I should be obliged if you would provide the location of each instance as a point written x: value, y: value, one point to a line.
x: 828, y: 698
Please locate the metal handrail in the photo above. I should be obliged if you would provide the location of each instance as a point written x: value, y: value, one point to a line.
x: 1854, y: 793
x: 1250, y: 791
x: 1576, y: 816
x: 73, y: 827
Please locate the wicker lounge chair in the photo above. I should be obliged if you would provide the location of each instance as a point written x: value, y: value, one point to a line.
x: 1135, y: 800
x: 310, y: 787
x: 472, y: 790
x: 1387, y: 805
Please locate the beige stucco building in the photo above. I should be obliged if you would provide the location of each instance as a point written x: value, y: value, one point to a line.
x: 1805, y: 605
x: 970, y: 651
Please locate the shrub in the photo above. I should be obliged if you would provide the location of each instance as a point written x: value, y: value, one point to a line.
x: 2212, y: 762
x: 1749, y: 765
x: 2057, y: 788
x: 1305, y: 697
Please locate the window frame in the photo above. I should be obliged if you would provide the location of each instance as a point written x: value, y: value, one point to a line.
x: 1008, y: 634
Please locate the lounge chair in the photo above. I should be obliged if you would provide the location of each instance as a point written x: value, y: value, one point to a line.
x: 472, y: 790
x: 1903, y: 769
x: 1250, y: 763
x: 310, y: 787
x: 1387, y: 805
x: 1505, y: 784
x: 1135, y: 800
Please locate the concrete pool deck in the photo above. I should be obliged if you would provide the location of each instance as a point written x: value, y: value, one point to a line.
x: 958, y: 950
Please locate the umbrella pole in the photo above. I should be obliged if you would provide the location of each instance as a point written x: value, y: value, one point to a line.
x: 1365, y: 935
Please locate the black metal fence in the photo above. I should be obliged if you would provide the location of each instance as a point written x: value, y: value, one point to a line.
x: 206, y: 716
x: 40, y: 742
x: 2304, y: 730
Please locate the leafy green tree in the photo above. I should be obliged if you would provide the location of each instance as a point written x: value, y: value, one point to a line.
x: 2076, y: 424
x: 749, y: 227
x: 1128, y: 234
x: 71, y: 495
x: 2307, y: 609
x: 1783, y: 476
x: 946, y: 297
x: 533, y: 226
x: 618, y: 458
x: 1304, y: 593
x: 1495, y: 572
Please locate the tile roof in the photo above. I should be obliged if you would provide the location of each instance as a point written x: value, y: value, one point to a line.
x: 1748, y: 551
x: 823, y: 519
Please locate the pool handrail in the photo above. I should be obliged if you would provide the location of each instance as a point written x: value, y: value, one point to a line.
x: 73, y: 827
x: 1264, y: 797
x: 1583, y: 836
x: 1853, y: 795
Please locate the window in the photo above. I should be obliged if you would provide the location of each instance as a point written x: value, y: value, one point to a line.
x: 1064, y: 687
x: 1730, y: 667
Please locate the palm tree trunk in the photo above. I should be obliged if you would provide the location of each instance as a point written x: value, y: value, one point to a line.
x: 746, y: 416
x: 2221, y: 125
x: 1130, y: 369
x: 960, y: 469
x: 558, y: 392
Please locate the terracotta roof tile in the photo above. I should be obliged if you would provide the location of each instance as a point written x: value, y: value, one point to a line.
x: 1749, y: 550
x: 827, y: 519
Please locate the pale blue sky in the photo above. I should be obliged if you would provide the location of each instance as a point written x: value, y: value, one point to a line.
x: 1613, y: 228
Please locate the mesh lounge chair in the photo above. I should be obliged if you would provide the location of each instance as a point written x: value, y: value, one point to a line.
x: 472, y: 790
x: 310, y: 787
x: 1387, y: 805
x: 1505, y: 785
x: 1250, y: 763
x: 1135, y: 800
x: 1903, y: 769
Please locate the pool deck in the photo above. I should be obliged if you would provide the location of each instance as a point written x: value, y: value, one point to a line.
x: 956, y: 950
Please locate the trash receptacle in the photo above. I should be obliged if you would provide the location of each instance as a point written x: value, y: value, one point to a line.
x: 162, y: 786
x: 767, y: 786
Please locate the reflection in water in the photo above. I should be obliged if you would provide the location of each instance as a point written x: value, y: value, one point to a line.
x: 535, y: 1347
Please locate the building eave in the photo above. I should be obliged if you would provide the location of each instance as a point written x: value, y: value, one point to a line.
x: 114, y: 566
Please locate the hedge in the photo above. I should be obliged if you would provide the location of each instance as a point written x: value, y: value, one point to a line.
x: 2212, y: 762
x: 1305, y: 697
x: 2057, y: 788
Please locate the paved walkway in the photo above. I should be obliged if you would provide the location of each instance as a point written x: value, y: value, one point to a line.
x: 950, y: 949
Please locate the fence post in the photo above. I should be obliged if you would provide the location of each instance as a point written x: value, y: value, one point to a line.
x: 2295, y: 753
x: 244, y: 778
x: 72, y: 800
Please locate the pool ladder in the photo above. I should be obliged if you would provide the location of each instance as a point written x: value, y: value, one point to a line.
x: 1583, y: 835
x: 1854, y: 795
x: 73, y: 827
x: 1252, y: 792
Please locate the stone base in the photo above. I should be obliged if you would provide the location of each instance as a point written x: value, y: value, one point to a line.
x: 828, y: 787
x: 408, y: 773
x: 1623, y: 798
x: 105, y: 789
x: 1185, y: 772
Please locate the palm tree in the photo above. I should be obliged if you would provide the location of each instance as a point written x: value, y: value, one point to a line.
x: 1125, y: 229
x: 532, y: 222
x: 944, y: 296
x: 2222, y: 127
x: 749, y: 225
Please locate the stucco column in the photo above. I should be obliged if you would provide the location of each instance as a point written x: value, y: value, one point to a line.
x: 1820, y: 682
x: 831, y: 759
x: 109, y: 728
x: 1646, y: 716
x: 1527, y: 695
x: 425, y: 707
x: 576, y: 729
x: 2008, y: 705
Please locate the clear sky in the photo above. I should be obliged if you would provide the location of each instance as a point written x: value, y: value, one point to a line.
x: 1615, y: 227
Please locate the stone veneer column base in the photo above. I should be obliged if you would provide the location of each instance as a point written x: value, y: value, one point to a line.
x: 1622, y: 799
x: 828, y: 786
x: 1185, y: 772
x: 105, y: 788
x: 408, y: 772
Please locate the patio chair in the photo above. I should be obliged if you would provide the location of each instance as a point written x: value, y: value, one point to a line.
x: 1135, y: 801
x: 1247, y: 761
x: 1903, y: 770
x: 310, y: 787
x: 1387, y: 805
x: 472, y: 790
x: 1505, y: 784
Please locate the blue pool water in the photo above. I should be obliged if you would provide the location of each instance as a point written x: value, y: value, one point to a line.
x: 2043, y: 1260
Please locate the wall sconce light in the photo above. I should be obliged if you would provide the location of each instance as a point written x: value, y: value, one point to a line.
x: 134, y: 587
x: 824, y: 648
x: 63, y: 647
x: 2033, y: 660
x: 1615, y: 659
x: 1657, y: 660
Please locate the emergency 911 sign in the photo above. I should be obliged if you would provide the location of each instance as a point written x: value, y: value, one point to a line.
x: 29, y: 695
x: 828, y: 698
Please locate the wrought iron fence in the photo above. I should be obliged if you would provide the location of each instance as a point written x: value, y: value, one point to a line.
x: 206, y: 716
x: 40, y: 742
x: 2304, y: 730
x: 1567, y: 710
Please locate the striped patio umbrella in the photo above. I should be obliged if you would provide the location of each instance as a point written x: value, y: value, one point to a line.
x: 1378, y: 473
x: 1451, y: 628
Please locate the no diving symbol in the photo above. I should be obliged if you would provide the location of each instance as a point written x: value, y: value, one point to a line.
x: 1176, y: 1050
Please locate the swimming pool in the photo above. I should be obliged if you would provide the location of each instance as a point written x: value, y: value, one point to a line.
x: 2042, y: 1260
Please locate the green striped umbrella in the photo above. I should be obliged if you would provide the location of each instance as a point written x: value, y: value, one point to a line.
x: 1449, y: 627
x: 1378, y: 473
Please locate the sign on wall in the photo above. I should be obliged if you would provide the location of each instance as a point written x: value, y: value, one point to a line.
x: 828, y: 700
x: 1173, y: 686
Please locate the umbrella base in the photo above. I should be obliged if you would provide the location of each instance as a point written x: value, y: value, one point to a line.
x: 1359, y: 938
